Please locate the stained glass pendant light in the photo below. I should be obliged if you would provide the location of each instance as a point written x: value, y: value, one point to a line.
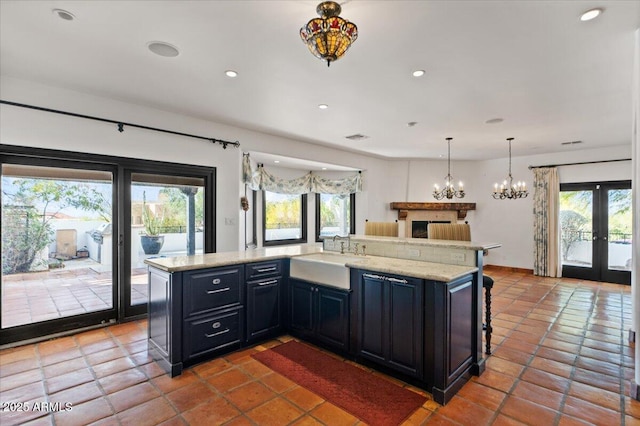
x: 329, y: 36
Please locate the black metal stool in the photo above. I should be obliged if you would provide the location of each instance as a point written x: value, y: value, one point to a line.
x: 487, y: 283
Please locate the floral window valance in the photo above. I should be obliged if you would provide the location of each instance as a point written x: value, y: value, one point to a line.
x: 258, y: 178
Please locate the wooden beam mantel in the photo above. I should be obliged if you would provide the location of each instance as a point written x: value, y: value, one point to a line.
x: 403, y: 207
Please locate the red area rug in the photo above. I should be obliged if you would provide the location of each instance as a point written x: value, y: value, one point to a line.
x: 370, y: 398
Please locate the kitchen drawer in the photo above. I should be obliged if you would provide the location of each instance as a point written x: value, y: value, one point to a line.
x: 263, y: 269
x: 212, y: 332
x: 212, y: 289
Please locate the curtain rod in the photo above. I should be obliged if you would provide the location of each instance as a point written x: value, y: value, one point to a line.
x: 121, y: 124
x: 578, y: 164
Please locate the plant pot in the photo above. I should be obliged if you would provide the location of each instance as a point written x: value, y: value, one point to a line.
x: 151, y: 244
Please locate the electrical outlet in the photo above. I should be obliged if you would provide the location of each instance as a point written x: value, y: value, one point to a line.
x: 413, y: 253
x: 458, y: 257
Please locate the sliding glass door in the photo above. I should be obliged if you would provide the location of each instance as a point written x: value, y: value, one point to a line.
x: 58, y: 250
x: 167, y: 218
x: 76, y: 229
x: 595, y: 220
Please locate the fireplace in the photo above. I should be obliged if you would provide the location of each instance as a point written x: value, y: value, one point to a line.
x: 420, y: 228
x: 416, y: 217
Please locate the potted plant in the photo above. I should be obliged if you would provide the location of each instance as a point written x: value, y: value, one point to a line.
x: 151, y: 240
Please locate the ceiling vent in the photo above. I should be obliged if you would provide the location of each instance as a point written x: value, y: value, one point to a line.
x: 571, y: 143
x: 357, y: 137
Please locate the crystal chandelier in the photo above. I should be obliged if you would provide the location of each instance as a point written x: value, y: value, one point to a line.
x: 448, y: 191
x: 508, y: 189
x: 330, y: 36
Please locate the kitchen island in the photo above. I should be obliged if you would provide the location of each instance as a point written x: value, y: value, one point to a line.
x: 416, y: 319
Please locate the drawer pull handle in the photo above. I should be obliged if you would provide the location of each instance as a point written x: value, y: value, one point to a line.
x: 268, y: 283
x: 380, y: 277
x: 218, y: 333
x: 220, y: 290
x: 216, y: 281
x: 375, y: 277
x: 216, y: 325
x: 273, y: 268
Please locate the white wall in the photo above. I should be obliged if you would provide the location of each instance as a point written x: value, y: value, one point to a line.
x: 508, y: 222
x: 24, y: 127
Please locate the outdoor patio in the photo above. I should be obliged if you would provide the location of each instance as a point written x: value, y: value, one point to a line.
x: 76, y: 289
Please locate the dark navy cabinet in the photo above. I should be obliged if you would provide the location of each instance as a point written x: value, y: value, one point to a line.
x: 423, y: 331
x: 264, y: 300
x: 426, y: 330
x: 390, y: 321
x: 213, y: 309
x: 319, y: 313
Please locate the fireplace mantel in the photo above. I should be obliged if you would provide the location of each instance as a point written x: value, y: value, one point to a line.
x: 460, y: 208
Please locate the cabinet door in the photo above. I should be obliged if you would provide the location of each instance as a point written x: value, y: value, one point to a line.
x: 373, y: 317
x: 301, y: 307
x: 263, y: 308
x: 333, y: 317
x: 405, y: 325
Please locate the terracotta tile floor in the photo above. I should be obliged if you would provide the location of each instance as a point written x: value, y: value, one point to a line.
x: 41, y: 296
x: 560, y: 358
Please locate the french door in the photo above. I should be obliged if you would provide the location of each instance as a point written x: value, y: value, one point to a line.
x: 72, y: 228
x: 595, y: 230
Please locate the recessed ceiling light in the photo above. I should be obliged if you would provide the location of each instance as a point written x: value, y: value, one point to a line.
x: 231, y: 73
x: 276, y: 161
x: 63, y: 14
x: 494, y: 121
x: 323, y: 106
x: 591, y: 14
x: 418, y: 73
x: 163, y: 49
x: 324, y: 168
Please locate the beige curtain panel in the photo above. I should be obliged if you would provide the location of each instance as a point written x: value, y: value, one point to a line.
x: 546, y: 233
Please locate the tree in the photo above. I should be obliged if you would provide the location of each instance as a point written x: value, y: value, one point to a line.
x: 27, y: 231
x: 572, y: 225
x: 24, y: 236
x: 175, y: 207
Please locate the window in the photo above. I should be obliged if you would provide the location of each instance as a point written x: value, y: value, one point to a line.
x: 335, y: 215
x: 284, y: 218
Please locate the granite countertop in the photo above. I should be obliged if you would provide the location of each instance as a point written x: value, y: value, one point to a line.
x: 412, y: 268
x: 468, y: 245
x: 212, y: 260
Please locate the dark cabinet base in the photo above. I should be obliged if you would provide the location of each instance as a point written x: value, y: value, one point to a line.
x: 320, y: 314
x: 424, y: 332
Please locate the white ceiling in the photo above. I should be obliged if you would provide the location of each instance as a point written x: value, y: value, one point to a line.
x: 551, y: 77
